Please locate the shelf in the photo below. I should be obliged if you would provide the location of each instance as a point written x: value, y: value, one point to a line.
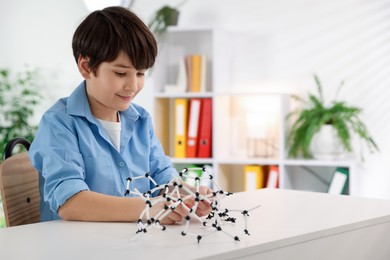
x: 184, y: 95
x: 178, y: 29
x: 246, y: 92
x: 240, y: 117
x: 325, y: 163
x: 245, y: 161
x: 192, y: 161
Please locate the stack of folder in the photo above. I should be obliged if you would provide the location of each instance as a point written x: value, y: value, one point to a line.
x: 193, y: 128
x: 191, y: 75
x: 258, y: 176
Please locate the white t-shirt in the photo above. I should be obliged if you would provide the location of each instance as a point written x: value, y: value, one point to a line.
x: 113, y: 129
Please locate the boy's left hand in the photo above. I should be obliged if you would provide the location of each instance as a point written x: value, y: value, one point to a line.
x: 204, y: 207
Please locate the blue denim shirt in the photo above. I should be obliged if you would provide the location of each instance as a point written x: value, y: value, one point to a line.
x: 72, y: 152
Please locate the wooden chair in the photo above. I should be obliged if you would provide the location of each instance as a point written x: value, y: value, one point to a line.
x: 19, y: 187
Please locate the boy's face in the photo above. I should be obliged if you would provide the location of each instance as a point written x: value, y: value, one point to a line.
x: 113, y: 87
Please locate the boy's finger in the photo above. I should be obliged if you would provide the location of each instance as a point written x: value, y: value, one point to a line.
x: 175, y: 217
x: 204, y: 190
x: 189, y: 202
x: 181, y: 210
x: 204, y: 208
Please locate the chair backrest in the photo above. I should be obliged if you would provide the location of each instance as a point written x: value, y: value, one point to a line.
x: 19, y: 190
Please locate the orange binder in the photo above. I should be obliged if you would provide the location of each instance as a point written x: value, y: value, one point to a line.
x: 273, y: 177
x: 193, y: 127
x: 205, y: 129
x: 180, y: 124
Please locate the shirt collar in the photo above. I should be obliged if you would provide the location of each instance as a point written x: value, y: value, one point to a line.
x: 78, y: 105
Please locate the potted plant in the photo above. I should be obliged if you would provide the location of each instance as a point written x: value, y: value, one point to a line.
x: 337, y: 119
x: 164, y: 17
x: 18, y: 98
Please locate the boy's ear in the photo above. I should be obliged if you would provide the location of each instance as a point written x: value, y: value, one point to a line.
x: 83, y: 65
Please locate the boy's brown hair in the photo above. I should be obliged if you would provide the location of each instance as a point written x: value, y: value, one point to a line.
x: 104, y: 33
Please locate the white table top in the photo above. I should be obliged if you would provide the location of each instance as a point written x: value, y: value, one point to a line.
x: 285, y: 218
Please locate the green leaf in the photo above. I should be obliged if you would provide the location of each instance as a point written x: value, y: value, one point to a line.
x: 18, y: 99
x: 344, y: 118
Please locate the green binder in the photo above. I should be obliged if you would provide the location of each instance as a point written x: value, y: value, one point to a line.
x: 339, y: 182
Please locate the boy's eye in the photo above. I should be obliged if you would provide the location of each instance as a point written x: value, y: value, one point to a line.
x: 120, y: 74
x: 140, y: 74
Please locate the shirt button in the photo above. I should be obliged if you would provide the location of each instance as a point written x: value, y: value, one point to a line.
x: 121, y: 164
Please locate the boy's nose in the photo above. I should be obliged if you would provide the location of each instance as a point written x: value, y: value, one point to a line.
x: 131, y: 83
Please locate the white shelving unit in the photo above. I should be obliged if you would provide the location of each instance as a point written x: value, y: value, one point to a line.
x: 232, y: 111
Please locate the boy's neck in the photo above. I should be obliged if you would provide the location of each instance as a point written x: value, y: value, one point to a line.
x: 114, y: 118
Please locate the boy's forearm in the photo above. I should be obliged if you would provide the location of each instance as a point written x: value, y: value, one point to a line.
x: 92, y: 206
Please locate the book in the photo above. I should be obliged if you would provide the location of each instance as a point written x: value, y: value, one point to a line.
x: 180, y: 86
x: 254, y: 177
x: 188, y: 69
x: 338, y: 184
x: 203, y: 73
x: 196, y: 71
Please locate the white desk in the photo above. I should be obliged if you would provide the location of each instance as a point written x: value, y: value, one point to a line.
x: 288, y: 225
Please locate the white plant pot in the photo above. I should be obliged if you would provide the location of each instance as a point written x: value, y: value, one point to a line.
x: 327, y: 145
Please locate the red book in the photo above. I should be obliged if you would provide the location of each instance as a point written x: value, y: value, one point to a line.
x: 205, y: 129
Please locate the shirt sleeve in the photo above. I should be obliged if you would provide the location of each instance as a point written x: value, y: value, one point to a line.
x: 55, y: 154
x: 162, y: 170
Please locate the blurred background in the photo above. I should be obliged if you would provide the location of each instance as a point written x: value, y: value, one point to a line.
x: 277, y: 45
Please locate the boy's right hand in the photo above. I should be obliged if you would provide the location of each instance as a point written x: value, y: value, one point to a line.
x: 173, y: 217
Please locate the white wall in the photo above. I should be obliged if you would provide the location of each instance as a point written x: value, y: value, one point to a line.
x: 278, y: 43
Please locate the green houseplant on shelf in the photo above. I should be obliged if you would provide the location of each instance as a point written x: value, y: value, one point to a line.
x: 18, y: 99
x: 339, y: 119
x: 164, y: 17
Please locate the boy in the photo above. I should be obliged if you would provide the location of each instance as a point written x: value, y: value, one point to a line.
x: 89, y: 143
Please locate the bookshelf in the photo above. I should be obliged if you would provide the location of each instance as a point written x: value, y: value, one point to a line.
x: 234, y: 111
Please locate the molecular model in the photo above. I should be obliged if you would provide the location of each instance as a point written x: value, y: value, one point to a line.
x: 172, y: 194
